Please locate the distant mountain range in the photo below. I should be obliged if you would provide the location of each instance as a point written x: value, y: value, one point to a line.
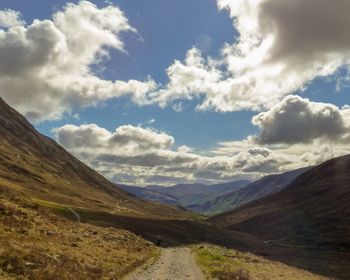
x: 313, y: 210
x: 151, y: 195
x: 218, y: 198
x: 263, y: 187
x: 185, y: 195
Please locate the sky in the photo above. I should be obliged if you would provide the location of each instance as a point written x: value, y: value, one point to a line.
x: 166, y: 92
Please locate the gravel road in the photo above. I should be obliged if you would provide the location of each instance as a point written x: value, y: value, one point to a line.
x: 173, y: 264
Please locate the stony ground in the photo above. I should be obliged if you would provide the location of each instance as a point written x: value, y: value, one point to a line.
x: 173, y: 264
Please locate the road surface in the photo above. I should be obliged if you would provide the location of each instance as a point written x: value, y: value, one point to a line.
x: 173, y: 264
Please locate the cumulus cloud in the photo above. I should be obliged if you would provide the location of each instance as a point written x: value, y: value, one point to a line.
x: 125, y: 138
x: 294, y: 133
x: 188, y: 79
x: 282, y: 46
x: 10, y: 18
x: 45, y: 68
x: 304, y: 132
x: 140, y: 155
x: 298, y: 120
x: 284, y: 157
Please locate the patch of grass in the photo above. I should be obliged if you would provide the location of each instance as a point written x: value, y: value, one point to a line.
x: 198, y: 217
x: 226, y: 264
x: 37, y: 244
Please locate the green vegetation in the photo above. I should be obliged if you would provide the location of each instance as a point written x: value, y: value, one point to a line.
x: 224, y: 264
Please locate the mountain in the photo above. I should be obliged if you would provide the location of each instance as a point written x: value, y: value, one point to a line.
x: 59, y: 219
x: 37, y: 166
x: 265, y: 186
x: 313, y: 210
x: 185, y: 195
x: 41, y: 185
x: 34, y: 167
x: 151, y: 195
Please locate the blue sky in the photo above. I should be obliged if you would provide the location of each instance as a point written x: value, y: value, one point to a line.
x: 167, y: 31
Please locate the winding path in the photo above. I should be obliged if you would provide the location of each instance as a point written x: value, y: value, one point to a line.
x: 173, y: 264
x: 76, y: 215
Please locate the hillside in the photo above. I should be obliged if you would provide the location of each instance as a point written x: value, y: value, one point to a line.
x: 151, y: 195
x: 185, y: 195
x: 312, y: 211
x: 61, y: 219
x: 36, y: 244
x: 109, y: 229
x: 263, y: 187
x: 37, y: 166
x: 222, y: 263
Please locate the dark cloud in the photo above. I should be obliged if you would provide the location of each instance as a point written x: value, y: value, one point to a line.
x: 298, y: 120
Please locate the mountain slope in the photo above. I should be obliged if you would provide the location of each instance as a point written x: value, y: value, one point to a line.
x: 312, y: 211
x: 190, y: 195
x: 184, y: 195
x: 263, y: 187
x: 37, y: 168
x: 152, y: 195
x: 35, y: 244
x: 36, y: 165
x: 39, y: 179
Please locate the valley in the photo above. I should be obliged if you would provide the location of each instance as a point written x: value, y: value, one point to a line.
x: 214, y: 199
x: 58, y: 214
x: 174, y: 140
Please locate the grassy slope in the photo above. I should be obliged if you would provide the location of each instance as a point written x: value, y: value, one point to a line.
x: 39, y: 245
x: 37, y: 176
x: 309, y: 220
x: 266, y: 186
x: 225, y: 264
x: 37, y: 166
x: 312, y: 211
x: 191, y: 196
x: 150, y: 195
x: 36, y: 244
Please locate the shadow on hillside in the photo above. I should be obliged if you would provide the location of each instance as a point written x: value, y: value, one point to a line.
x: 172, y: 232
x: 186, y: 232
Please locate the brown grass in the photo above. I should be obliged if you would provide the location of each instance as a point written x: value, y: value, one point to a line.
x: 225, y: 264
x: 36, y: 244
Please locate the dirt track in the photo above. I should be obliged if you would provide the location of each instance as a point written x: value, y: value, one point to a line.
x: 173, y: 264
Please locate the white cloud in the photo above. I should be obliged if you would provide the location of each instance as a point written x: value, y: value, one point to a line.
x: 125, y: 139
x: 141, y: 155
x: 298, y: 120
x: 178, y: 107
x: 187, y: 80
x: 151, y: 121
x: 282, y: 46
x: 45, y: 68
x: 294, y: 133
x: 10, y: 18
x: 184, y: 149
x: 284, y: 157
